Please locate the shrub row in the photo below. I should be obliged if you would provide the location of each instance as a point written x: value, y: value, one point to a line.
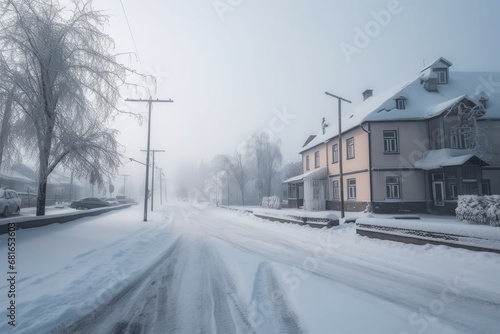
x: 479, y: 209
x: 273, y: 202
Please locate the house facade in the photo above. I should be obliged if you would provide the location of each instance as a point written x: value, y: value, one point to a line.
x: 414, y: 148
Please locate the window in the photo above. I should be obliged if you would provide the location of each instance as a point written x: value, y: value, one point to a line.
x: 336, y: 192
x: 392, y: 187
x: 469, y: 173
x: 460, y: 137
x: 400, y: 104
x: 486, y: 187
x: 335, y: 153
x: 390, y: 141
x: 350, y: 148
x: 316, y: 159
x: 351, y: 187
x: 307, y: 162
x: 438, y: 177
x: 441, y: 77
x: 470, y: 188
x: 454, y: 190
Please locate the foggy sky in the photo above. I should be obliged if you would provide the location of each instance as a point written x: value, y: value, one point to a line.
x: 234, y: 67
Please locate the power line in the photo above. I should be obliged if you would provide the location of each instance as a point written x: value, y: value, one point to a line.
x: 133, y: 41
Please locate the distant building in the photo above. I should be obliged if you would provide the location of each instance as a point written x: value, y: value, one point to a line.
x: 412, y: 148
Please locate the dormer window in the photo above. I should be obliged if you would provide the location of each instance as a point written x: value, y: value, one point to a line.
x: 442, y: 76
x: 401, y: 103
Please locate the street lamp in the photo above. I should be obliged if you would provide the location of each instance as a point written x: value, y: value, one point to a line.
x: 340, y: 99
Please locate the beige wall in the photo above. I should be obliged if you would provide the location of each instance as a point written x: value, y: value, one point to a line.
x: 412, y: 141
x: 322, y: 157
x: 361, y: 155
x: 362, y: 186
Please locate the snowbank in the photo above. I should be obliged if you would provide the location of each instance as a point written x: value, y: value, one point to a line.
x: 459, y: 234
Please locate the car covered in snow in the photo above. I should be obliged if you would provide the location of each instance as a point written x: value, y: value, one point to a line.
x: 112, y: 201
x: 10, y: 202
x: 89, y: 203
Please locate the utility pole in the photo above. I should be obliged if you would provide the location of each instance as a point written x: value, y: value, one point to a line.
x: 124, y: 180
x: 161, y: 187
x: 341, y: 186
x: 150, y: 103
x: 153, y: 176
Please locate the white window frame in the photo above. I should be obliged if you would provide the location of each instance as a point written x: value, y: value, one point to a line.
x: 393, y: 187
x: 460, y: 137
x: 351, y: 188
x: 350, y: 148
x: 316, y: 159
x: 335, y: 190
x: 335, y: 153
x: 400, y: 104
x: 307, y: 162
x: 441, y: 77
x: 391, y: 144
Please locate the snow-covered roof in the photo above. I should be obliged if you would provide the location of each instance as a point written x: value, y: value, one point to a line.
x: 434, y: 159
x: 420, y: 103
x: 320, y: 173
x: 15, y: 176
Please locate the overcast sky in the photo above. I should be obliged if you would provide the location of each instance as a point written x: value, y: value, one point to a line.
x: 234, y: 67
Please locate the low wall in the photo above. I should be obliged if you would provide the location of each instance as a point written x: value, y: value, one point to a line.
x: 23, y: 222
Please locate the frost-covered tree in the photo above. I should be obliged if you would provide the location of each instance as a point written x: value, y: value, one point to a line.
x: 235, y: 163
x: 292, y: 169
x: 60, y: 61
x: 467, y: 133
x: 268, y: 158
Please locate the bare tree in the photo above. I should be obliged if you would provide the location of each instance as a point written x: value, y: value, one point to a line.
x: 292, y: 169
x: 236, y: 165
x: 59, y: 60
x: 268, y: 159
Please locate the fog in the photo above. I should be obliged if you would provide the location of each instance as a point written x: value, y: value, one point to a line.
x: 234, y: 68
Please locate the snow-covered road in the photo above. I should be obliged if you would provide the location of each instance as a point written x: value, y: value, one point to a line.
x: 199, y: 269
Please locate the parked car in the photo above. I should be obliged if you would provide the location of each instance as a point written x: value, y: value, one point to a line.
x: 112, y: 201
x: 121, y: 199
x: 9, y: 202
x: 89, y: 203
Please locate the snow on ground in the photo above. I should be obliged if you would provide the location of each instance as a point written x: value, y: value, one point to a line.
x: 195, y: 268
x: 31, y: 212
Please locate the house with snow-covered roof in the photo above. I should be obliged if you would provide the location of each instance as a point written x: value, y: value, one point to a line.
x: 413, y: 148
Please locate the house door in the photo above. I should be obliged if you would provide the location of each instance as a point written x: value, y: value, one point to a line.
x: 438, y: 193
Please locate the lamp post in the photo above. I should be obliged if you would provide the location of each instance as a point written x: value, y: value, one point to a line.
x: 341, y: 186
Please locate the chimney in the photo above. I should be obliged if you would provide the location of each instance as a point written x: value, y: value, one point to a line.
x: 367, y: 93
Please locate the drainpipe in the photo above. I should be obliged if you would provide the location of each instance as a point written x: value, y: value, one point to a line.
x: 370, y: 167
x: 327, y: 191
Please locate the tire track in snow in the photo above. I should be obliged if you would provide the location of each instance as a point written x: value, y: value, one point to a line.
x: 188, y: 290
x: 271, y: 311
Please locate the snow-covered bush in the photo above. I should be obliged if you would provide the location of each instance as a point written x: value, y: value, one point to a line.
x: 479, y: 209
x: 273, y: 202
